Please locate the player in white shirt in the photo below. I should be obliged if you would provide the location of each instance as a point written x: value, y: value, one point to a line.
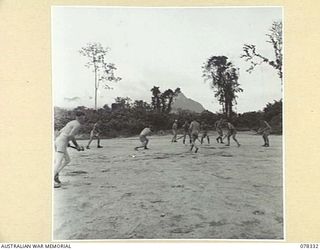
x: 66, y: 134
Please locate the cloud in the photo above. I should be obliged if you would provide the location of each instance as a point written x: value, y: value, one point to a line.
x: 72, y: 99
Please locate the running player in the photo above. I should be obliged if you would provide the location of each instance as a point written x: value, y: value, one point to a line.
x: 174, y: 131
x: 205, y: 129
x: 265, y: 130
x: 194, y: 131
x: 95, y: 132
x: 186, y: 132
x: 231, y: 132
x: 66, y: 134
x: 143, y: 137
x: 219, y: 125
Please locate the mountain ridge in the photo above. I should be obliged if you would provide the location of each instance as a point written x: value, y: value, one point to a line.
x: 181, y: 102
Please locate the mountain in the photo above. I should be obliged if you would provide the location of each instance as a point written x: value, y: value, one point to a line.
x: 184, y: 103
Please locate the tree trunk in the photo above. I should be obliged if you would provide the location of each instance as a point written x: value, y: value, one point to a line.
x: 226, y: 108
x: 158, y: 104
x: 230, y: 108
x: 169, y: 104
x: 95, y: 87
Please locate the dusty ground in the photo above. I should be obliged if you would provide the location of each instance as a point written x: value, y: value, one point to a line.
x: 169, y: 193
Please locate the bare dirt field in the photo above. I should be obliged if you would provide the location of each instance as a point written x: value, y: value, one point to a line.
x: 167, y: 192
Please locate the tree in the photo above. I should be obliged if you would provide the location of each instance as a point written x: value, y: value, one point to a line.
x: 223, y: 77
x: 155, y: 99
x: 162, y: 102
x: 167, y: 97
x: 142, y: 106
x: 255, y: 58
x: 103, y: 71
x: 123, y: 102
x: 106, y: 108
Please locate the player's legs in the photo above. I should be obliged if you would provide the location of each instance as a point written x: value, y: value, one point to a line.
x: 208, y: 139
x: 66, y: 160
x: 90, y: 140
x: 193, y: 140
x: 234, y: 138
x: 228, y: 139
x: 62, y: 159
x: 184, y: 137
x: 266, y: 139
x: 174, y: 138
x: 144, y: 141
x: 219, y: 138
x: 58, y: 161
x: 202, y: 137
x: 225, y: 136
x: 193, y: 143
x: 98, y: 141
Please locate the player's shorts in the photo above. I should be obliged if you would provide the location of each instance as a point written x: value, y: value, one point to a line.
x: 94, y: 134
x: 174, y: 131
x: 232, y: 132
x: 61, y: 144
x: 220, y: 132
x: 194, y: 137
x: 266, y: 132
x: 143, y: 138
x: 204, y: 134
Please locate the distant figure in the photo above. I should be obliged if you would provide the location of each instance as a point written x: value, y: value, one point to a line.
x: 95, y: 133
x: 219, y: 125
x: 265, y: 130
x: 143, y: 137
x: 174, y: 131
x: 194, y: 131
x: 66, y: 134
x: 205, y: 128
x: 231, y: 132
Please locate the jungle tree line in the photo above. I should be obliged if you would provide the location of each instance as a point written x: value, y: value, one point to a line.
x: 131, y: 116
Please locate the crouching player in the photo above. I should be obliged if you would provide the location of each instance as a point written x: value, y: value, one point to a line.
x: 143, y: 137
x: 66, y: 134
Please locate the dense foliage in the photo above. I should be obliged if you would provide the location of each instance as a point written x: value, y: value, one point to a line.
x: 127, y: 117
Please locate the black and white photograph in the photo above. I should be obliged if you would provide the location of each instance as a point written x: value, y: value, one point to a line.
x: 168, y: 123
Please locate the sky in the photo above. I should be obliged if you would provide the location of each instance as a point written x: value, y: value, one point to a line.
x: 163, y: 47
